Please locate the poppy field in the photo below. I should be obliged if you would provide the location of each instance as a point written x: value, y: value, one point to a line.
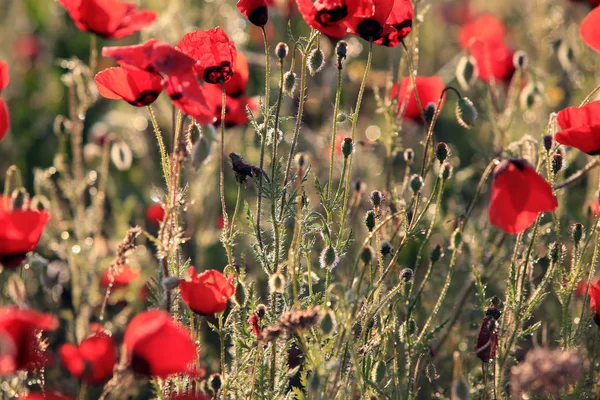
x: 298, y: 199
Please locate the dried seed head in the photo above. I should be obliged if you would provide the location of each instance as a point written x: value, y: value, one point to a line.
x: 429, y: 111
x: 520, y: 59
x: 282, y: 50
x: 416, y: 183
x: 446, y: 171
x: 347, y: 147
x: 409, y: 156
x: 19, y: 199
x: 547, y: 142
x: 466, y: 113
x: 406, y: 274
x: 436, y: 253
x: 329, y: 258
x: 376, y: 198
x: 556, y: 162
x: 367, y: 254
x: 577, y: 232
x: 370, y: 220
x: 442, y: 151
x: 277, y: 283
x: 289, y: 83
x: 467, y: 72
x: 386, y: 249
x: 316, y: 61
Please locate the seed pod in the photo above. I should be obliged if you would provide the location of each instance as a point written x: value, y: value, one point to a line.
x: 386, y: 249
x: 466, y: 113
x: 520, y: 59
x: 367, y: 254
x: 282, y: 50
x: 467, y: 72
x: 577, y: 232
x: 442, y: 151
x: 370, y: 220
x: 376, y: 198
x: 289, y: 83
x: 409, y: 156
x: 241, y: 294
x: 416, y: 183
x: 547, y: 142
x: 316, y: 61
x: 347, y: 147
x: 436, y: 254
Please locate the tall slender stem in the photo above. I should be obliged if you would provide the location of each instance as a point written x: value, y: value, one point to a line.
x: 226, y: 243
x: 336, y: 108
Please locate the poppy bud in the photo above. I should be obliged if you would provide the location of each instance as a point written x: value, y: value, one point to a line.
x: 429, y: 111
x: 240, y: 294
x: 300, y: 159
x: 441, y: 151
x: 282, y: 50
x: 386, y: 249
x: 289, y: 83
x: 121, y: 156
x: 366, y: 254
x: 456, y: 238
x: 547, y: 142
x: 341, y: 49
x: 446, y: 171
x: 171, y: 282
x: 327, y: 323
x: 556, y: 162
x: 215, y: 382
x: 341, y: 117
x: 316, y: 61
x: 39, y: 203
x: 347, y: 147
x: 370, y: 220
x: 466, y: 113
x: 328, y: 258
x: 376, y: 198
x: 467, y: 72
x: 378, y: 371
x: 19, y: 199
x: 261, y: 311
x: 416, y: 183
x: 406, y: 274
x: 577, y: 232
x: 555, y: 251
x: 436, y: 254
x: 520, y: 59
x: 277, y: 283
x: 358, y: 186
x: 529, y: 96
x: 409, y: 156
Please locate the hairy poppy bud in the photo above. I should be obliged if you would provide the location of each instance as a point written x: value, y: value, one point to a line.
x: 347, y: 147
x: 341, y: 49
x: 121, y: 155
x: 289, y: 83
x: 520, y: 59
x: 442, y: 151
x: 466, y: 113
x: 19, y: 199
x: 555, y: 251
x: 436, y: 254
x: 416, y: 183
x: 328, y: 258
x: 316, y: 61
x: 277, y: 283
x: 215, y: 382
x: 386, y: 249
x: 530, y: 95
x: 370, y: 220
x: 366, y: 255
x: 456, y: 238
x: 261, y: 311
x: 577, y: 232
x: 171, y: 282
x: 429, y: 111
x: 378, y: 372
x: 556, y: 162
x: 39, y: 203
x: 406, y: 274
x: 300, y: 159
x: 409, y: 156
x: 376, y: 198
x: 358, y: 186
x: 282, y: 50
x: 547, y: 142
x: 341, y: 117
x: 467, y: 72
x: 240, y: 294
x: 327, y: 323
x: 446, y: 171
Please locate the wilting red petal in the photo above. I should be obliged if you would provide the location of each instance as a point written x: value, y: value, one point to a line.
x: 255, y: 10
x: 214, y: 53
x: 137, y: 87
x: 208, y: 292
x: 139, y: 55
x: 590, y: 29
x: 485, y: 29
x: 580, y: 127
x: 369, y: 20
x: 519, y: 194
x: 4, y: 78
x: 93, y: 360
x: 157, y: 346
x: 122, y: 277
x: 493, y: 60
x: 4, y: 119
x: 188, y: 96
x: 429, y: 90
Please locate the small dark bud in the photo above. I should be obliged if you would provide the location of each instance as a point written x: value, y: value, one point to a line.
x: 406, y: 274
x: 171, y: 282
x: 555, y: 251
x: 240, y: 294
x: 316, y: 61
x: 328, y: 258
x: 19, y: 199
x: 376, y: 198
x: 446, y: 171
x: 409, y: 156
x: 442, y: 151
x: 215, y: 382
x: 282, y: 50
x: 436, y: 254
x: 261, y: 311
x: 327, y: 323
x: 416, y: 183
x: 366, y: 254
x: 358, y: 186
x: 289, y: 83
x: 467, y: 72
x: 370, y: 220
x: 347, y: 147
x: 520, y: 59
x: 386, y: 249
x: 466, y: 113
x: 556, y: 162
x: 577, y: 232
x: 429, y: 111
x: 341, y: 49
x: 300, y: 160
x: 547, y: 142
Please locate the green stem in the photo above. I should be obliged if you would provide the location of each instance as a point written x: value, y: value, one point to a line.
x: 226, y: 243
x: 336, y: 108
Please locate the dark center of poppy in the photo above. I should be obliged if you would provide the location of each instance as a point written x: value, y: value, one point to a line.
x: 330, y: 17
x: 407, y: 23
x: 12, y: 260
x: 145, y: 98
x: 259, y: 16
x: 369, y: 29
x: 520, y: 164
x: 218, y: 73
x: 140, y: 366
x: 176, y: 96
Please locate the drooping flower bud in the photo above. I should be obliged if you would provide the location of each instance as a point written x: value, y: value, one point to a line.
x: 446, y: 171
x: 261, y: 311
x: 289, y: 83
x: 277, y: 283
x: 577, y: 232
x: 406, y: 274
x: 466, y: 113
x: 316, y: 61
x: 282, y: 50
x: 436, y: 254
x: 327, y: 323
x: 19, y: 199
x: 329, y: 258
x: 121, y: 156
x: 467, y: 72
x: 386, y: 249
x: 429, y: 111
x: 215, y: 382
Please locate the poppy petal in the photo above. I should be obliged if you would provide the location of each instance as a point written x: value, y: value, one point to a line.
x: 135, y: 86
x: 590, y: 29
x: 4, y: 78
x: 580, y: 127
x: 4, y: 119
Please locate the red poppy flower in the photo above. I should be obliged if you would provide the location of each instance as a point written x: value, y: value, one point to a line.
x: 236, y: 86
x: 487, y: 341
x: 136, y: 86
x: 369, y: 21
x: 171, y: 61
x: 591, y: 3
x: 188, y: 96
x: 20, y: 231
x: 4, y: 78
x: 139, y: 55
x: 19, y: 343
x: 593, y: 208
x: 429, y: 90
x: 590, y: 29
x: 580, y: 127
x: 26, y: 47
x: 485, y: 29
x: 328, y: 16
x: 206, y: 293
x: 594, y: 293
x: 214, y: 53
x: 158, y: 346
x: 519, y: 194
x: 93, y: 360
x: 110, y: 19
x: 4, y: 119
x: 401, y: 20
x: 155, y: 213
x: 122, y: 278
x: 235, y: 112
x: 47, y: 396
x: 255, y: 10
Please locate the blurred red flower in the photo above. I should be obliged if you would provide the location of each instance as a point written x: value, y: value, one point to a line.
x: 593, y: 208
x: 47, y: 396
x: 4, y: 78
x: 429, y: 89
x: 20, y: 231
x: 519, y: 194
x: 110, y: 19
x: 206, y: 293
x: 486, y: 29
x: 155, y: 213
x: 594, y: 293
x: 591, y: 3
x: 136, y: 86
x: 122, y: 278
x: 255, y: 10
x: 158, y: 346
x: 328, y: 16
x: 580, y: 127
x: 4, y: 119
x: 590, y: 29
x: 26, y: 48
x: 369, y: 21
x: 214, y: 53
x: 19, y: 329
x: 401, y: 20
x: 93, y: 360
